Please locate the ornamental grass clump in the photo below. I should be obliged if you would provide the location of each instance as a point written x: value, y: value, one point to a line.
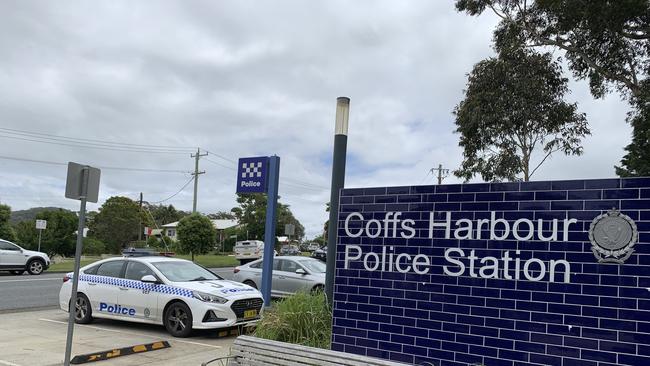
x: 303, y: 318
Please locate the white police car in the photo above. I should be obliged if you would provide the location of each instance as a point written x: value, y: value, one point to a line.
x: 174, y: 292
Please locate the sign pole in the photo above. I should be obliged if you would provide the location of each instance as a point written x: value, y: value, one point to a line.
x: 39, y: 239
x: 269, y: 228
x: 77, y: 261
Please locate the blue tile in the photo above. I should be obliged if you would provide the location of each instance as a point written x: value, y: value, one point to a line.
x: 449, y: 188
x: 550, y: 195
x: 635, y: 182
x: 398, y: 190
x: 535, y: 205
x: 352, y: 192
x: 598, y: 356
x: 567, y: 205
x: 500, y: 187
x: 621, y: 194
x: 476, y: 187
x: 602, y: 183
x: 519, y: 196
x: 635, y: 205
x: 602, y: 205
x: 423, y: 189
x: 585, y: 195
x: 567, y: 184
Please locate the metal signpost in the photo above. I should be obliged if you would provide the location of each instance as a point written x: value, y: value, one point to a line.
x: 289, y: 229
x: 82, y: 184
x: 261, y: 175
x: 40, y: 225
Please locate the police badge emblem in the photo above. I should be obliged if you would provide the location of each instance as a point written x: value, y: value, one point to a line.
x: 612, y: 237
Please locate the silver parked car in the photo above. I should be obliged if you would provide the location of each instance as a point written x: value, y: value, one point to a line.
x: 290, y: 275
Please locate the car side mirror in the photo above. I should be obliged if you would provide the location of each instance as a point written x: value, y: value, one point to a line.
x: 149, y: 279
x: 301, y: 271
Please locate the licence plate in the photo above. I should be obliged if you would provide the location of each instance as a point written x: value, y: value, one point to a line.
x: 250, y: 314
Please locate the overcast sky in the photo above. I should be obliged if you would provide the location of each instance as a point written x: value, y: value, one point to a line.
x: 246, y: 78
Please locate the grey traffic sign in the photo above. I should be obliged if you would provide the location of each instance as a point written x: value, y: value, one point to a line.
x: 74, y: 186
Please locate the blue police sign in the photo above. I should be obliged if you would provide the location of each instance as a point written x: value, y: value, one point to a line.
x: 251, y: 174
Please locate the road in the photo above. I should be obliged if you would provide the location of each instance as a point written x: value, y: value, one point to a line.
x: 31, y: 292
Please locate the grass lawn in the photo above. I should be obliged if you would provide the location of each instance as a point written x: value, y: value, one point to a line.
x: 208, y: 260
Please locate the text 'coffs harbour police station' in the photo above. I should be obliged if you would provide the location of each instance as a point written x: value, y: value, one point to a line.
x: 509, y: 266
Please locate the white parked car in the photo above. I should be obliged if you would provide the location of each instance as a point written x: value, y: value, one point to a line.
x: 17, y: 260
x: 176, y: 293
x: 249, y: 250
x: 290, y: 275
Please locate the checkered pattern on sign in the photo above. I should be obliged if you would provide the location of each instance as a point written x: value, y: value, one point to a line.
x: 138, y: 285
x: 252, y: 170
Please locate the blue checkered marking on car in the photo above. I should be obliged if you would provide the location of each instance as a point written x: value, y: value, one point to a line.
x: 139, y: 285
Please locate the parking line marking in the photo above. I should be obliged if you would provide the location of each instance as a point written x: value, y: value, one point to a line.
x: 138, y: 334
x: 34, y: 279
x: 7, y: 363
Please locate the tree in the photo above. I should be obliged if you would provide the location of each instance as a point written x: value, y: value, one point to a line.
x: 514, y: 106
x: 165, y: 214
x: 196, y: 234
x: 252, y: 213
x: 59, y: 237
x: 117, y: 223
x: 6, y: 231
x: 605, y: 42
x: 635, y: 163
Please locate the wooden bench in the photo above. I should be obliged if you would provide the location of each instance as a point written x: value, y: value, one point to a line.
x: 252, y: 351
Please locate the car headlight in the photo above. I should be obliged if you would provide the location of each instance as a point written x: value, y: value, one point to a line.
x: 209, y: 297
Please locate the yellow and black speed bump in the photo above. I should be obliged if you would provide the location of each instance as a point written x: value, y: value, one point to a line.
x: 107, y: 355
x: 234, y: 331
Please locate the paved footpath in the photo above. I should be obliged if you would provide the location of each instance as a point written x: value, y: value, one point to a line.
x: 38, y: 338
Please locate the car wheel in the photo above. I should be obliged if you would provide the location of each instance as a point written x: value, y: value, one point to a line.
x: 317, y: 289
x: 178, y: 320
x: 250, y: 283
x: 83, y: 312
x: 35, y: 267
x: 17, y: 273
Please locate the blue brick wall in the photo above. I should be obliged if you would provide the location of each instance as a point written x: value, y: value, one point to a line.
x: 600, y: 318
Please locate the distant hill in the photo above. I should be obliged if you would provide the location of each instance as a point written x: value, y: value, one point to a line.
x: 30, y: 214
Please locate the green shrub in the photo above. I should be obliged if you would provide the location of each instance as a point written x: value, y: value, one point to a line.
x: 303, y: 318
x: 93, y: 246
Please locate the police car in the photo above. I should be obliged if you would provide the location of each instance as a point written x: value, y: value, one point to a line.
x: 174, y: 292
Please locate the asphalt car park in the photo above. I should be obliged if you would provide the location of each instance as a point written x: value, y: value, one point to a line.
x: 38, y: 338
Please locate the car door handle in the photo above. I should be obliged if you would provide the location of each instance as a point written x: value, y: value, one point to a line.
x: 92, y: 284
x: 281, y: 277
x: 124, y: 288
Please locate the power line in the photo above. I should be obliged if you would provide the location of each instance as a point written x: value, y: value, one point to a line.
x: 219, y: 164
x: 101, y: 167
x: 93, y: 141
x: 175, y: 194
x: 81, y: 145
x: 221, y: 156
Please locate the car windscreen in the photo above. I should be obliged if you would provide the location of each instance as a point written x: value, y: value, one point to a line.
x: 313, y: 266
x: 184, y: 271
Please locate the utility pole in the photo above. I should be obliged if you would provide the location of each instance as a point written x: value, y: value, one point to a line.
x: 141, y: 229
x: 196, y: 175
x: 442, y: 173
